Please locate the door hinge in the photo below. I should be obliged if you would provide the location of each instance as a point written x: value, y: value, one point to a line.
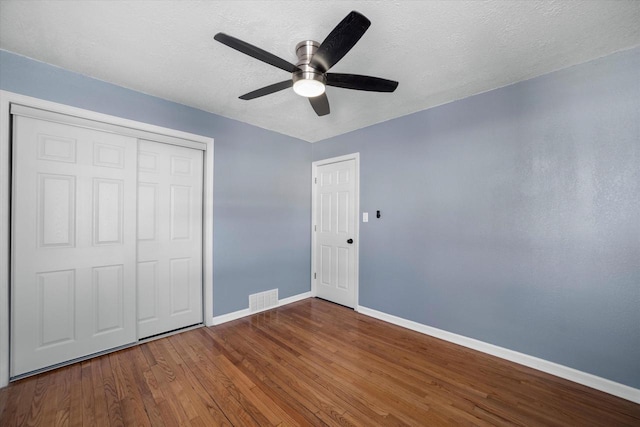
x: 315, y: 228
x: 314, y: 275
x: 315, y: 180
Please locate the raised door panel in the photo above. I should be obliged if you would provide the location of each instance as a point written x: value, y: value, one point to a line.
x: 326, y: 265
x: 55, y: 307
x: 181, y: 166
x: 180, y: 208
x: 147, y: 210
x: 148, y: 291
x: 342, y: 268
x: 108, y: 294
x: 179, y: 282
x: 110, y: 156
x: 343, y: 213
x: 56, y: 222
x: 108, y: 211
x: 56, y: 148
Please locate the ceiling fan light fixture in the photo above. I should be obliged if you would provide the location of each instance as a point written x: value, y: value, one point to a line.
x: 309, y: 88
x: 309, y: 84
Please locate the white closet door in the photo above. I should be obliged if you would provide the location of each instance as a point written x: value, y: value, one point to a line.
x: 73, y: 244
x: 169, y: 237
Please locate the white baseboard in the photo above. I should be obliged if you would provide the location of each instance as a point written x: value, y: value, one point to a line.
x: 589, y: 380
x: 223, y: 318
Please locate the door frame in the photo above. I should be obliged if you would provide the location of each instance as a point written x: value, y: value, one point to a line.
x: 108, y: 123
x: 314, y: 176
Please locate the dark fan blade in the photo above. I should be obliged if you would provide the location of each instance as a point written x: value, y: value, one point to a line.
x: 255, y: 52
x: 320, y: 104
x: 340, y: 41
x: 276, y: 87
x: 357, y: 82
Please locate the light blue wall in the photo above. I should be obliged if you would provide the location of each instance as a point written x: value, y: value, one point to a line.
x: 261, y: 180
x: 510, y: 217
x: 513, y: 216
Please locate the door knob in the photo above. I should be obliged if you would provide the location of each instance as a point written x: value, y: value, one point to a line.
x: 350, y: 241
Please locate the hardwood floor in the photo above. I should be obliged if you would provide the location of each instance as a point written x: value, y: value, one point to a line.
x: 308, y: 363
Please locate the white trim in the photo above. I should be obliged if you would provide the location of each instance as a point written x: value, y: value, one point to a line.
x: 314, y: 175
x: 224, y: 318
x: 105, y: 119
x: 571, y: 374
x: 207, y: 241
x: 82, y: 121
x: 108, y: 122
x: 5, y: 162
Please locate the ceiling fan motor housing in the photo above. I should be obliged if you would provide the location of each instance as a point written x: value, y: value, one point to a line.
x: 307, y: 74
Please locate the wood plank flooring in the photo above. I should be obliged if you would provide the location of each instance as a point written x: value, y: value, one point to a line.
x: 307, y: 363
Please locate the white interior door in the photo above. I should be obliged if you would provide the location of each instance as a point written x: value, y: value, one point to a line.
x: 336, y: 218
x: 73, y: 243
x: 169, y: 237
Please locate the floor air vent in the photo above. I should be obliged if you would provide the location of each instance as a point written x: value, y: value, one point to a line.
x: 263, y: 300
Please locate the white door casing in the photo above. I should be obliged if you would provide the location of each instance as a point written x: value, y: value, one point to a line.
x: 169, y: 237
x: 73, y: 287
x: 335, y: 231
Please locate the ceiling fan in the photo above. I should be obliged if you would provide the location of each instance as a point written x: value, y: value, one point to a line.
x: 309, y: 75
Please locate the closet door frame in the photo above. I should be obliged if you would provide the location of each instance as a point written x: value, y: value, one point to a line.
x: 106, y: 122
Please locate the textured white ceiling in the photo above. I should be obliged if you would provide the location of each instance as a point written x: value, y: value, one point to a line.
x: 439, y: 51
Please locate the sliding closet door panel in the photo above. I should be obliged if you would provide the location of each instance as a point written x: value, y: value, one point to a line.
x: 73, y: 244
x: 169, y: 237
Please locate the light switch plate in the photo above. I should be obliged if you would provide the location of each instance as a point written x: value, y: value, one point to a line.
x: 365, y: 216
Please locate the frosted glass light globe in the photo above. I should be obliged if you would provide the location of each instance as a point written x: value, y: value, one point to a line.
x: 308, y: 88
